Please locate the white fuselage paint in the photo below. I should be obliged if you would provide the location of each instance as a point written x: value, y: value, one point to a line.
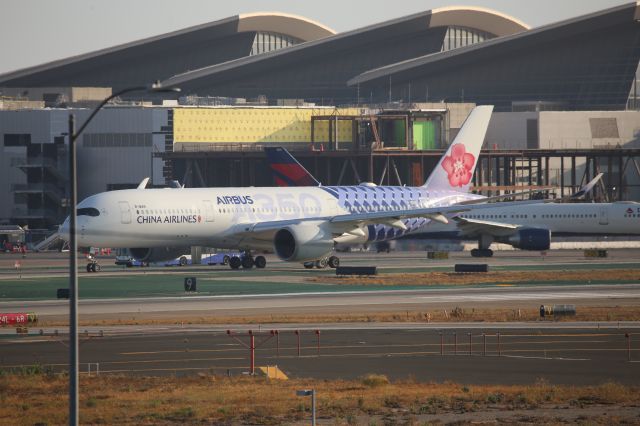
x: 621, y: 218
x: 220, y: 217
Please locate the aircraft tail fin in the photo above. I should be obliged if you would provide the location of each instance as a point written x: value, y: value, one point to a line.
x: 143, y: 183
x: 455, y: 169
x: 287, y: 171
x: 588, y: 187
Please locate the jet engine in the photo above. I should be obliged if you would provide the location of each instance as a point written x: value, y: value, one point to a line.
x: 158, y: 254
x: 530, y: 239
x: 299, y: 243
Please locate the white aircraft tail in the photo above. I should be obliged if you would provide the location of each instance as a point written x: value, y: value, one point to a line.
x: 455, y: 169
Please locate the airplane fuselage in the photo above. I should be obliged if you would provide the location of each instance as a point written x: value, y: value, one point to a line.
x: 218, y: 217
x: 620, y: 218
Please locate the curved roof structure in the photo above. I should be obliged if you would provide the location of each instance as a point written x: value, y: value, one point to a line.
x: 586, y: 62
x: 493, y: 22
x: 480, y: 18
x: 618, y: 15
x: 194, y: 39
x: 292, y: 25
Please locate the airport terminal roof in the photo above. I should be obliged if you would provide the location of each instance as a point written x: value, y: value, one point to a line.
x: 493, y: 22
x: 298, y: 27
x: 623, y: 14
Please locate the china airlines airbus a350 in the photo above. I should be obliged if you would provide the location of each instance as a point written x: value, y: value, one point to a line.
x: 301, y: 224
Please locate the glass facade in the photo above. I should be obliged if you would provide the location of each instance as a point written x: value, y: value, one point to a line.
x: 460, y: 36
x: 105, y: 140
x: 266, y: 42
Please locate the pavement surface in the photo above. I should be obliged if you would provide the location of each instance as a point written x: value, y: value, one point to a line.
x: 284, y: 287
x: 333, y: 302
x: 579, y: 354
x: 568, y: 353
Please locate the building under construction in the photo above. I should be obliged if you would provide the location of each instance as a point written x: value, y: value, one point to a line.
x: 387, y: 148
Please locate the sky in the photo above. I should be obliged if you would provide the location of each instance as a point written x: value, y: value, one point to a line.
x: 38, y: 31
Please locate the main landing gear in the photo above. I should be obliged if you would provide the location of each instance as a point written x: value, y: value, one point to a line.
x: 483, y: 250
x: 331, y: 261
x: 247, y: 261
x: 481, y: 253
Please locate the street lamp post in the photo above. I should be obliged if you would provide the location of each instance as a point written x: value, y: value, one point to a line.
x: 73, y: 260
x: 312, y: 394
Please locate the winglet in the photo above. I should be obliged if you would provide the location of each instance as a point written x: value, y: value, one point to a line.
x: 588, y: 187
x: 144, y: 183
x: 455, y: 169
x: 287, y: 170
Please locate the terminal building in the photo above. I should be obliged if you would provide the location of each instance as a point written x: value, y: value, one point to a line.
x: 375, y: 104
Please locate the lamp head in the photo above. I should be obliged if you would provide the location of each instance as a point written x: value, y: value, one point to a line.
x: 157, y: 87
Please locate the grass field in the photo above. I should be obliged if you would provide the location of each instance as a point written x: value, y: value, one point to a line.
x: 492, y: 277
x: 170, y: 283
x: 35, y: 397
x: 584, y: 313
x: 139, y: 285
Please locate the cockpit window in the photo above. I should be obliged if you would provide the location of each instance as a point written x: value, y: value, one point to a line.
x: 88, y: 211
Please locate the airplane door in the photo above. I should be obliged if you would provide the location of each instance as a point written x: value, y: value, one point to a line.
x: 125, y: 212
x: 208, y: 211
x: 603, y: 216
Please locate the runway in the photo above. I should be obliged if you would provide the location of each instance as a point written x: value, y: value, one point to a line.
x: 50, y: 264
x: 522, y: 354
x: 559, y: 352
x: 336, y: 301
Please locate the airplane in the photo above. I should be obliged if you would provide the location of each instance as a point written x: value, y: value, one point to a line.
x: 531, y: 227
x: 301, y: 224
x: 287, y: 171
x: 526, y: 227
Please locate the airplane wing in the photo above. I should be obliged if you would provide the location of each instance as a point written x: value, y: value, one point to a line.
x: 472, y: 227
x: 346, y: 222
x: 581, y: 193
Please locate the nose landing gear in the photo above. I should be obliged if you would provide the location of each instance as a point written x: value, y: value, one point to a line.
x: 93, y: 265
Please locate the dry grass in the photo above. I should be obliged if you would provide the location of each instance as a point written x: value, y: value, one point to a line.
x: 499, y: 277
x: 31, y: 399
x: 457, y: 314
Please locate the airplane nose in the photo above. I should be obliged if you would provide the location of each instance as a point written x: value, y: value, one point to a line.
x: 63, y: 230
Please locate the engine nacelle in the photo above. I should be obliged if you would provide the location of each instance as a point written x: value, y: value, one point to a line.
x: 301, y: 243
x: 158, y: 254
x: 531, y: 239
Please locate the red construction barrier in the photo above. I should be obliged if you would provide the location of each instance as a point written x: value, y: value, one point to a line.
x: 18, y: 318
x: 252, y: 346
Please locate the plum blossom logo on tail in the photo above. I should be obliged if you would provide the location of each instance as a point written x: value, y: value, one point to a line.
x: 459, y: 165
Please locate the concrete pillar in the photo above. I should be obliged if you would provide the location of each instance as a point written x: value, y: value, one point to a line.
x: 196, y: 255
